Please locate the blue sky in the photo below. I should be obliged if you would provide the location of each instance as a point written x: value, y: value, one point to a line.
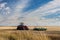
x: 31, y: 12
x: 34, y: 4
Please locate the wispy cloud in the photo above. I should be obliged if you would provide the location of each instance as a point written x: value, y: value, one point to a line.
x: 16, y: 15
x: 4, y: 11
x: 50, y: 8
x: 47, y: 14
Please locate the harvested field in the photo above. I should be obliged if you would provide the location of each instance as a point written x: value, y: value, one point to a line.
x: 10, y: 33
x: 22, y: 35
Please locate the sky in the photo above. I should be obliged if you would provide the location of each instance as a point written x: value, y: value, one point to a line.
x: 31, y: 12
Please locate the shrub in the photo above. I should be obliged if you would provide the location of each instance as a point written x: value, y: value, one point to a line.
x: 40, y: 29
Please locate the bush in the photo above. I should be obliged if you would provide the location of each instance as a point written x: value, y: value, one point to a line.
x: 40, y: 29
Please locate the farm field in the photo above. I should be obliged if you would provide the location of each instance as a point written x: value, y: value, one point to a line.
x: 29, y: 35
x: 49, y: 28
x: 10, y: 33
x: 22, y: 35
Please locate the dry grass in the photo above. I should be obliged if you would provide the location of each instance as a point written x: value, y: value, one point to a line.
x: 52, y: 33
x: 29, y: 35
x: 22, y: 35
x: 49, y: 28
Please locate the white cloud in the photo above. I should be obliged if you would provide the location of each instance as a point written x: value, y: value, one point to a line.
x: 48, y: 9
x: 11, y: 20
x: 5, y: 10
x: 2, y: 5
x: 18, y: 9
x: 8, y: 10
x: 35, y: 17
